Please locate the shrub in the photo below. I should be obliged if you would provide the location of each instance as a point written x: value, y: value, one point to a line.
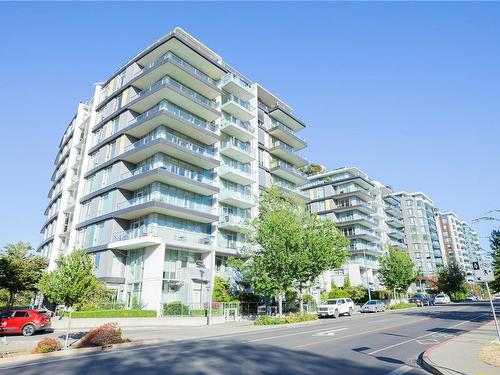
x: 47, y: 345
x: 107, y: 334
x: 175, y: 308
x: 399, y: 306
x: 267, y: 320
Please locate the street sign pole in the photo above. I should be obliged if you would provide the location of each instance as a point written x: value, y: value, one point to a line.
x: 493, y: 310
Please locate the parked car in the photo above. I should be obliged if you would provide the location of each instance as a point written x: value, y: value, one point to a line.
x: 336, y: 307
x: 421, y: 300
x: 373, y: 306
x: 24, y: 321
x: 441, y: 298
x: 471, y: 298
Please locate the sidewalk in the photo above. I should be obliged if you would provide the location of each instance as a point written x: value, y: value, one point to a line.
x: 459, y: 355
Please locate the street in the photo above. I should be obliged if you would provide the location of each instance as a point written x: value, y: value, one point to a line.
x: 381, y: 343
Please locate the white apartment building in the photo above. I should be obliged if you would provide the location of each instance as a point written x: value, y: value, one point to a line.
x: 158, y: 175
x: 367, y: 213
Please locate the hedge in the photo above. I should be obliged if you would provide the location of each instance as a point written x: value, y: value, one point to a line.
x: 267, y: 320
x: 112, y: 314
x: 399, y: 306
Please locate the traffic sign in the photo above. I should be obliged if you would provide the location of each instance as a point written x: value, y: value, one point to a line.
x: 483, y: 271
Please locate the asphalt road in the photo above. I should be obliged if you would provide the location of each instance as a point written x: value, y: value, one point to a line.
x: 382, y: 343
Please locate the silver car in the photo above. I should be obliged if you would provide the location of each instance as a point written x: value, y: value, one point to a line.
x: 373, y: 306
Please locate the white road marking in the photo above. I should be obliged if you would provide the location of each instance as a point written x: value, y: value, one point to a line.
x: 289, y: 334
x: 401, y: 370
x: 330, y: 333
x: 421, y: 337
x: 428, y: 341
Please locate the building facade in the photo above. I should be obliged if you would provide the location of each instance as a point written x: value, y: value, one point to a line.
x: 422, y: 236
x: 158, y: 175
x: 366, y: 212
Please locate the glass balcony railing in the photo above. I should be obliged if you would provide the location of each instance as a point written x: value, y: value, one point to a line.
x: 232, y: 120
x: 361, y: 247
x: 234, y: 142
x: 286, y: 110
x: 237, y: 193
x: 291, y: 188
x: 233, y: 98
x: 351, y: 190
x: 354, y: 204
x: 288, y: 167
x: 169, y: 234
x: 239, y: 167
x: 277, y: 124
x: 234, y: 220
x: 168, y: 81
x: 360, y: 232
x: 177, y: 60
x: 392, y: 207
x: 205, y: 177
x: 233, y: 77
x: 169, y: 199
x: 205, y: 151
x: 344, y: 219
x: 178, y: 112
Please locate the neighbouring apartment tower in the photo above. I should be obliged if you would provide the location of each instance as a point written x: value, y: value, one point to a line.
x: 157, y: 175
x: 367, y: 213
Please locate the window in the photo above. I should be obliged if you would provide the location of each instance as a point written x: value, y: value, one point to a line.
x: 20, y: 314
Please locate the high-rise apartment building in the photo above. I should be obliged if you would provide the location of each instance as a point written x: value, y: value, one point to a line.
x: 366, y: 212
x: 460, y: 243
x: 422, y: 235
x: 158, y: 174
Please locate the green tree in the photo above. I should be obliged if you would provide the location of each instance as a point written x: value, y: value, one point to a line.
x: 72, y: 283
x: 451, y: 280
x: 290, y: 247
x: 323, y: 247
x: 221, y: 290
x: 20, y: 270
x: 495, y: 255
x: 396, y: 269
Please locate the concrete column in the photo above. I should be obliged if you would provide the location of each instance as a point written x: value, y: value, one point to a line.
x: 154, y: 257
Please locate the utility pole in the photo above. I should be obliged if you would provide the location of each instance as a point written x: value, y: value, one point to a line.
x: 493, y: 310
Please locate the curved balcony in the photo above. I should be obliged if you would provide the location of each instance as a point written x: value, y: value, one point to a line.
x: 201, y: 183
x: 370, y: 249
x: 165, y: 205
x: 287, y: 135
x: 234, y: 223
x: 358, y: 192
x: 242, y: 176
x: 172, y: 65
x: 235, y: 127
x: 287, y: 153
x: 175, y: 92
x: 392, y: 209
x: 173, y: 145
x: 288, y: 172
x: 395, y: 222
x: 236, y: 198
x: 366, y: 221
x: 397, y: 234
x: 237, y: 107
x: 166, y: 113
x: 366, y: 234
x: 235, y: 85
x: 237, y: 150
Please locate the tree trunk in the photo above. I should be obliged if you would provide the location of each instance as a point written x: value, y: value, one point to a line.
x: 301, y: 298
x: 12, y: 295
x: 280, y: 305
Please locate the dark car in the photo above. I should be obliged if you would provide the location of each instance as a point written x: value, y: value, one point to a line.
x: 24, y: 321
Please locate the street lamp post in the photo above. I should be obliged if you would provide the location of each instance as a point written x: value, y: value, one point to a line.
x: 366, y: 274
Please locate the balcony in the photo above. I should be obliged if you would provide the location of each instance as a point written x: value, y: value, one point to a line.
x: 236, y: 198
x: 172, y: 65
x: 151, y: 235
x: 237, y: 150
x: 395, y: 222
x: 230, y: 247
x: 295, y: 191
x: 392, y: 209
x: 237, y: 107
x: 176, y: 93
x: 242, y: 176
x: 398, y: 244
x: 365, y: 263
x: 166, y: 205
x: 235, y: 85
x: 201, y: 183
x: 287, y: 153
x: 288, y: 172
x: 236, y: 128
x: 356, y: 191
x: 234, y: 223
x: 361, y: 206
x: 287, y: 135
x: 166, y: 113
x: 397, y: 234
x: 285, y: 116
x: 365, y: 234
x: 357, y: 219
x: 365, y: 248
x: 173, y: 145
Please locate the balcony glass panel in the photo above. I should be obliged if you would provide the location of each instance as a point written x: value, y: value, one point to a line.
x: 242, y: 103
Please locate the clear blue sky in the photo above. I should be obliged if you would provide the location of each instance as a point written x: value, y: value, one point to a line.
x: 408, y: 92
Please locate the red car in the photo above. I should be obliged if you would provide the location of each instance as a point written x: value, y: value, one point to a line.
x: 25, y: 321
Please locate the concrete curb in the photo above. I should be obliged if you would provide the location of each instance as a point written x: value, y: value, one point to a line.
x: 431, y: 366
x: 64, y: 353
